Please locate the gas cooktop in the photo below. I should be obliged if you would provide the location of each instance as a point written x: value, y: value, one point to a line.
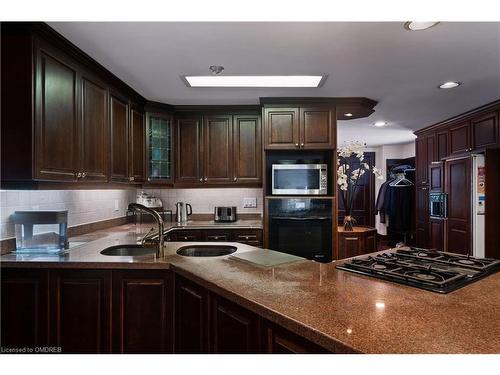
x: 426, y: 269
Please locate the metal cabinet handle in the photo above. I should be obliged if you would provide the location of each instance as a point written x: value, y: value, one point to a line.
x: 296, y: 145
x: 84, y: 174
x: 201, y: 179
x: 79, y: 175
x: 235, y: 179
x: 185, y: 238
x: 206, y: 178
x: 216, y: 238
x: 301, y: 145
x: 131, y: 178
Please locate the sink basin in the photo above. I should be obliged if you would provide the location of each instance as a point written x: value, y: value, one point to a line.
x: 128, y: 250
x: 206, y: 250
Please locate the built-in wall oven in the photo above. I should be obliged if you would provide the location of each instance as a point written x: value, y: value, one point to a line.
x: 302, y: 227
x: 438, y: 205
x: 299, y: 179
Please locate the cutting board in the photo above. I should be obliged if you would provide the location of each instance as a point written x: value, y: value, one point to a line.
x: 265, y: 258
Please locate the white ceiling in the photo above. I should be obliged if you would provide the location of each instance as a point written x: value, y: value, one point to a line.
x: 381, y: 61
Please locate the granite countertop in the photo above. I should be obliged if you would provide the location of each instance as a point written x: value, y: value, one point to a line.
x: 336, y: 309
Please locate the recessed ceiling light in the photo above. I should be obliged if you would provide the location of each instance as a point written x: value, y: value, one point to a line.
x: 449, y: 85
x: 254, y: 81
x: 348, y: 114
x: 418, y: 26
x: 379, y: 124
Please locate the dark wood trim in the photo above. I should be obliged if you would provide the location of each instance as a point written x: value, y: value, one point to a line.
x: 152, y: 106
x: 333, y: 101
x: 495, y: 105
x: 245, y: 109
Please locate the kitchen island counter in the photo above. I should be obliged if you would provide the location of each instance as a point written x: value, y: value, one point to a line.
x: 341, y: 311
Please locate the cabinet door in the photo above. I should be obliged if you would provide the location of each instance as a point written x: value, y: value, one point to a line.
x: 485, y: 131
x: 422, y: 216
x: 458, y: 175
x: 56, y: 117
x: 233, y: 329
x: 217, y: 152
x: 436, y: 177
x: 278, y: 340
x: 431, y: 149
x: 436, y: 234
x: 212, y: 235
x: 137, y: 146
x: 350, y: 245
x: 191, y: 317
x: 460, y: 138
x: 94, y: 139
x: 25, y: 305
x: 281, y: 128
x: 421, y: 160
x: 317, y: 128
x: 119, y: 139
x: 247, y: 152
x: 188, y: 164
x: 81, y: 310
x: 442, y: 144
x: 159, y: 148
x: 142, y: 311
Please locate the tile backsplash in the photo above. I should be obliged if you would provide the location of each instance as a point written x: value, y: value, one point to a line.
x: 88, y: 206
x: 203, y: 201
x: 84, y: 206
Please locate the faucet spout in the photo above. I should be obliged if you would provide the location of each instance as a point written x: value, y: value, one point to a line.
x: 160, y: 252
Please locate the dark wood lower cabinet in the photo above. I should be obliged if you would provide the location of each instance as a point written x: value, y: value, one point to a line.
x: 233, y: 329
x: 142, y: 303
x: 278, y: 340
x: 251, y: 236
x: 362, y: 240
x: 25, y: 304
x: 437, y: 234
x: 191, y: 317
x: 131, y: 311
x: 80, y: 310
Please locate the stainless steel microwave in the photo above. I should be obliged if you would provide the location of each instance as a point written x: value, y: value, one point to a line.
x: 299, y: 179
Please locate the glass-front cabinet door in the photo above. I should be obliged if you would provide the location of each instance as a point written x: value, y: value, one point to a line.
x: 159, y: 148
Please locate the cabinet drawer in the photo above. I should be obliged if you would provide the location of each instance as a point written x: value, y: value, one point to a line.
x: 250, y: 237
x: 217, y: 235
x: 186, y: 235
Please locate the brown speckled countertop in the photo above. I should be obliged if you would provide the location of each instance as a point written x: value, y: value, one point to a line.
x: 335, y: 308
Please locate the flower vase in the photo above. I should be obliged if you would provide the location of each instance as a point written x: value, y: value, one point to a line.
x: 349, y: 223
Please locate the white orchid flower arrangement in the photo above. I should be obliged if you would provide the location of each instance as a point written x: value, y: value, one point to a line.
x: 347, y: 177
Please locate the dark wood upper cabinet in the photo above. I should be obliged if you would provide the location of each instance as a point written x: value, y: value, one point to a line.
x: 24, y: 308
x: 281, y: 128
x: 119, y: 121
x: 458, y: 228
x: 442, y: 145
x: 142, y: 311
x: 277, y: 340
x: 191, y: 317
x: 137, y: 146
x: 421, y: 160
x: 159, y: 150
x: 485, y: 131
x: 94, y: 139
x: 436, y: 177
x: 233, y: 329
x: 217, y: 152
x: 247, y: 152
x: 189, y: 150
x: 317, y: 128
x: 56, y: 115
x: 80, y: 305
x: 459, y: 138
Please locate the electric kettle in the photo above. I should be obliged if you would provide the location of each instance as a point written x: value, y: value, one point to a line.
x: 182, y: 211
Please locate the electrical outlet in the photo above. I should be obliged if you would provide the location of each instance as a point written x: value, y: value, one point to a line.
x: 117, y: 205
x: 249, y: 202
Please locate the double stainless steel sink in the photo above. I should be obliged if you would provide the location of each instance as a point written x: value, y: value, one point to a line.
x: 188, y: 251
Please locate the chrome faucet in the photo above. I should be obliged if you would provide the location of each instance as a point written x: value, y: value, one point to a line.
x: 159, y: 242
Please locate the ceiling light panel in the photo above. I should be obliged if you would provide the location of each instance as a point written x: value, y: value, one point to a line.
x: 254, y: 81
x: 418, y: 26
x: 449, y: 85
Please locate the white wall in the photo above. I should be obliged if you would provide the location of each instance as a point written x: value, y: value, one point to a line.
x: 203, y: 201
x: 382, y: 153
x: 84, y: 206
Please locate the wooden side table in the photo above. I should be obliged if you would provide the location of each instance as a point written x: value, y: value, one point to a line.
x: 362, y: 240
